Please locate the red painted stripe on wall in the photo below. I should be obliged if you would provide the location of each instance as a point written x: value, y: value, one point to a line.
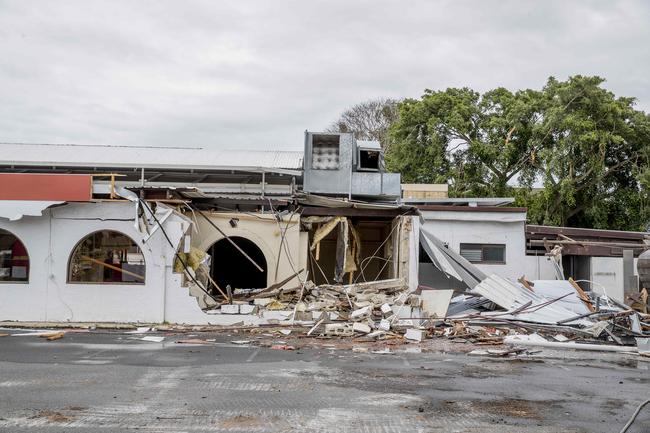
x: 49, y: 187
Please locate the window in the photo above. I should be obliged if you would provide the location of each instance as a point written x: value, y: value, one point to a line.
x: 369, y: 160
x: 107, y: 257
x: 484, y: 253
x: 325, y: 152
x: 14, y: 261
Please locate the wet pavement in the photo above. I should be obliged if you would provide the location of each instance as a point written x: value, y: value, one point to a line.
x: 115, y: 382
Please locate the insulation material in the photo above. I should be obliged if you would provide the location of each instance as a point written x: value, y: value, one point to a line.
x: 347, y: 253
x: 323, y: 231
x: 193, y: 259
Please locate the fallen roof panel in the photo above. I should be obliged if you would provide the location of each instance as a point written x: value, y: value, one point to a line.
x: 514, y: 297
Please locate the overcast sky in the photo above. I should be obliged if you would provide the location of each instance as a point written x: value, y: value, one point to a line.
x: 256, y: 74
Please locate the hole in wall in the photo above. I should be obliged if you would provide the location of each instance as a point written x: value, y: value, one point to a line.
x: 229, y: 266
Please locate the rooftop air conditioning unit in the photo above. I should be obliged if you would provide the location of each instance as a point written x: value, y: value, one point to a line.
x: 336, y: 164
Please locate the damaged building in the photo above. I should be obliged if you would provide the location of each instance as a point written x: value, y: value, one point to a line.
x: 326, y: 238
x: 189, y: 235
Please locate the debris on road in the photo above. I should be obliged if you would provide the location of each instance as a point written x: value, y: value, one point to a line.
x: 283, y: 347
x: 194, y: 341
x: 153, y: 339
x: 552, y: 314
x: 51, y: 336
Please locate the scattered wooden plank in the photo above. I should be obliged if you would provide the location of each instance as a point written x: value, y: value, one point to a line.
x: 582, y: 295
x: 53, y: 336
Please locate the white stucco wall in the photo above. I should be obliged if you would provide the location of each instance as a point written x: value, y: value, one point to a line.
x: 263, y: 230
x: 51, y: 238
x: 607, y: 276
x: 48, y: 296
x: 508, y: 228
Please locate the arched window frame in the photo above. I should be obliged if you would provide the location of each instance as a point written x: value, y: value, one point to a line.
x: 28, y: 266
x: 72, y: 254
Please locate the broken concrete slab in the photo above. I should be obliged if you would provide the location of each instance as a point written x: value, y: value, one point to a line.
x: 230, y: 309
x: 435, y: 302
x: 361, y: 327
x: 262, y: 302
x: 384, y: 325
x: 247, y: 309
x: 415, y: 334
x: 339, y: 329
x: 361, y: 313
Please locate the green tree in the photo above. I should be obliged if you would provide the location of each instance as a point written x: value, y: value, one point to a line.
x: 480, y: 143
x: 588, y: 148
x: 591, y: 167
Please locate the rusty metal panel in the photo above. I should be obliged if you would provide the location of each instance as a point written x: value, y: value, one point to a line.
x: 51, y: 187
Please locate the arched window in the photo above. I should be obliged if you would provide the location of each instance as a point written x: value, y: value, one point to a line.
x: 106, y: 257
x: 14, y: 261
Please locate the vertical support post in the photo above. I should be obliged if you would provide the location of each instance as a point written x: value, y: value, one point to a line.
x: 263, y: 183
x: 113, y: 186
x: 628, y: 273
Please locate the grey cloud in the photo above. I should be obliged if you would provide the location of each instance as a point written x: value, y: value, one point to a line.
x: 255, y: 74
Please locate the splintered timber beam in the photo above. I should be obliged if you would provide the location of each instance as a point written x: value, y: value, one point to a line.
x: 250, y: 259
x: 582, y: 295
x: 115, y: 268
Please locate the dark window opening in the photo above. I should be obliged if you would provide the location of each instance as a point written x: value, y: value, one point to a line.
x: 14, y: 260
x: 369, y: 160
x: 423, y: 256
x: 578, y: 268
x: 484, y: 253
x: 325, y: 152
x: 107, y: 257
x: 230, y: 267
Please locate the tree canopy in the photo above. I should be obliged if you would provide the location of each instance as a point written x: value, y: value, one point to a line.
x: 572, y: 152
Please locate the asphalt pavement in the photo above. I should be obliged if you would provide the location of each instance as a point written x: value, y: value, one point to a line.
x: 116, y: 382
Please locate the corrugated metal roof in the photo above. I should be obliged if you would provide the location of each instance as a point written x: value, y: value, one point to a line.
x: 513, y: 297
x: 75, y: 155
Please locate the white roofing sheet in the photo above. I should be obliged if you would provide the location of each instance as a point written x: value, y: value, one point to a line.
x: 460, y: 215
x: 74, y: 155
x: 513, y: 296
x: 14, y: 210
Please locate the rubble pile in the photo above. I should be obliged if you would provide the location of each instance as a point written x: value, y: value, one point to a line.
x: 551, y: 314
x: 492, y: 311
x: 368, y: 308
